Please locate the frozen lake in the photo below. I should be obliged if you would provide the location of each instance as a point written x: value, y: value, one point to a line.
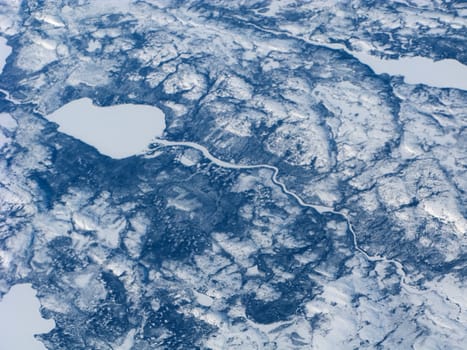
x: 447, y: 73
x: 20, y: 319
x: 420, y: 70
x: 118, y: 131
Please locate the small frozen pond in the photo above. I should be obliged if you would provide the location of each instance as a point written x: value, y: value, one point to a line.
x: 20, y: 319
x: 118, y: 131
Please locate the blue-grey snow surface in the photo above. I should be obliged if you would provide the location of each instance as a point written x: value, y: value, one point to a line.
x: 297, y: 199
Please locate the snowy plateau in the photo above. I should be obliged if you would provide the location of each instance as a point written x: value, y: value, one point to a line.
x: 212, y: 174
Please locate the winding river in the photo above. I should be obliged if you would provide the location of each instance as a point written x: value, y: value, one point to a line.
x: 321, y: 209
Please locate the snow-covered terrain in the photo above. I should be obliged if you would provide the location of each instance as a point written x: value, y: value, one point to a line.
x: 295, y: 198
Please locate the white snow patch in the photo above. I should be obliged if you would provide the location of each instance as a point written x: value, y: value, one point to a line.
x: 447, y: 212
x: 187, y: 161
x: 90, y: 74
x: 20, y: 319
x: 3, y: 139
x: 52, y: 20
x: 203, y: 299
x: 244, y: 183
x: 36, y: 55
x: 5, y: 51
x: 93, y: 45
x: 7, y: 121
x: 117, y: 131
x: 128, y: 342
x: 9, y: 18
x: 83, y: 222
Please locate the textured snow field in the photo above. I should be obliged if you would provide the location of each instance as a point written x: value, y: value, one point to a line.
x: 237, y: 88
x: 117, y: 131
